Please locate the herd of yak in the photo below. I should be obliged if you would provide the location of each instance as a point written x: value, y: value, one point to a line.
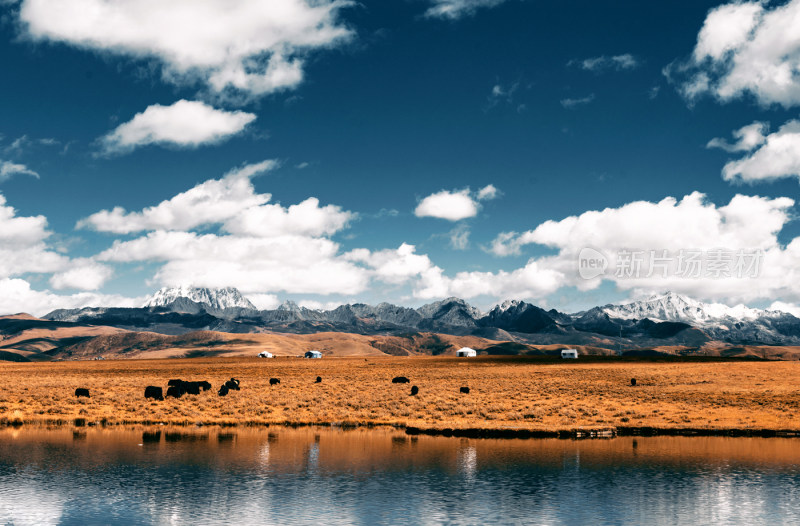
x: 177, y: 388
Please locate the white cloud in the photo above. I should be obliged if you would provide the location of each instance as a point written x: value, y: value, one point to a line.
x: 16, y: 295
x: 264, y: 301
x: 455, y: 205
x: 487, y: 192
x: 256, y: 47
x: 454, y: 9
x: 306, y: 218
x: 502, y: 94
x: 9, y: 169
x: 571, y: 104
x: 24, y: 250
x: 745, y: 48
x: 213, y: 201
x: 747, y: 138
x: 393, y: 266
x: 531, y: 281
x: 603, y: 62
x: 791, y: 308
x: 288, y: 263
x: 459, y: 237
x: 777, y: 157
x: 452, y: 206
x: 83, y: 274
x: 186, y: 124
x: 748, y: 223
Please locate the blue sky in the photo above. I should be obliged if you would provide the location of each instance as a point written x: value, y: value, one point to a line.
x: 398, y: 151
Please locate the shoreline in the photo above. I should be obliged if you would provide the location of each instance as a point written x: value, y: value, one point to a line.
x: 472, y: 432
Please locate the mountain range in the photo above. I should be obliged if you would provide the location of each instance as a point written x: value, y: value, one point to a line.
x: 661, y: 320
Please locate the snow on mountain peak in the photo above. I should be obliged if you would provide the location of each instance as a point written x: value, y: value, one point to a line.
x: 224, y: 298
x: 677, y: 307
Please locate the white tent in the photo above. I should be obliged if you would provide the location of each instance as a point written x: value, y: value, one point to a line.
x: 313, y: 354
x: 466, y: 352
x: 569, y: 354
x: 265, y: 354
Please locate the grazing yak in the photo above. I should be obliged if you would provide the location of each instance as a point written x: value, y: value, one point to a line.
x: 232, y: 384
x: 465, y: 390
x: 274, y: 381
x: 81, y: 391
x: 223, y: 391
x: 633, y: 382
x: 414, y: 390
x: 174, y: 391
x: 400, y: 380
x: 318, y: 380
x: 151, y: 391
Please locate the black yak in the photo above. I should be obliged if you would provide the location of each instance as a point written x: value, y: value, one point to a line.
x: 465, y: 390
x: 414, y: 390
x: 232, y: 384
x: 400, y: 380
x: 223, y: 391
x: 633, y: 382
x: 151, y: 391
x: 318, y: 380
x: 174, y: 391
x: 274, y: 381
x: 82, y: 391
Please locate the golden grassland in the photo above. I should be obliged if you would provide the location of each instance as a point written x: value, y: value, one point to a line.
x: 506, y: 393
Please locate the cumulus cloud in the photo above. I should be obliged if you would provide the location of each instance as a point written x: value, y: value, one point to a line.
x: 16, y: 295
x: 213, y: 201
x: 487, y: 192
x: 454, y: 205
x: 744, y: 48
x: 603, y: 62
x: 259, y: 247
x: 747, y: 138
x: 264, y: 301
x: 748, y: 224
x: 9, y: 169
x: 287, y: 263
x: 185, y: 124
x: 769, y: 157
x: 571, y: 104
x: 531, y: 281
x: 454, y: 9
x: 256, y: 47
x: 83, y: 274
x: 393, y: 265
x: 24, y: 250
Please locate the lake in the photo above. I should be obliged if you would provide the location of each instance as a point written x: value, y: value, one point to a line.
x: 277, y: 475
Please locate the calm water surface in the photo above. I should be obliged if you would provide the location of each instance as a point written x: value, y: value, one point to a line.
x: 326, y: 476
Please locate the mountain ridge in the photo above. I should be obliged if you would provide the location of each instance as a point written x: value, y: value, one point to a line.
x: 659, y: 320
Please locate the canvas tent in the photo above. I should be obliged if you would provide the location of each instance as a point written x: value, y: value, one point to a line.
x: 313, y: 354
x: 570, y: 354
x: 265, y: 354
x: 466, y: 352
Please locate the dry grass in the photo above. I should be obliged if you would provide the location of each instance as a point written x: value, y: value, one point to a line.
x: 505, y: 393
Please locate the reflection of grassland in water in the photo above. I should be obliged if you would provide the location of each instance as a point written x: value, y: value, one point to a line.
x: 361, y: 450
x: 505, y: 393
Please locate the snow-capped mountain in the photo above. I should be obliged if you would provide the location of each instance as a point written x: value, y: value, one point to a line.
x: 676, y: 307
x: 226, y: 298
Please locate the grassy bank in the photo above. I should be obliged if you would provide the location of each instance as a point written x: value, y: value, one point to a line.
x: 524, y: 396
